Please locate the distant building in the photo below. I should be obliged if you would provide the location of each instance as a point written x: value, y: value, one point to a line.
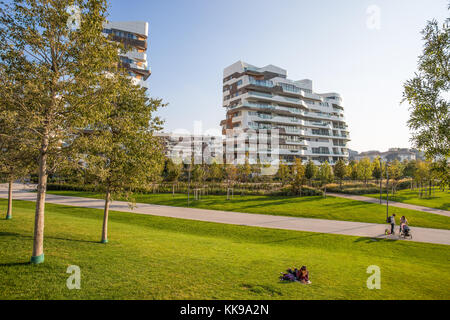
x: 392, y: 154
x: 352, y: 154
x: 198, y: 148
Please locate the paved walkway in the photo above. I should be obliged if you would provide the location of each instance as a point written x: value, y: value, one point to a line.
x: 247, y: 219
x: 391, y: 203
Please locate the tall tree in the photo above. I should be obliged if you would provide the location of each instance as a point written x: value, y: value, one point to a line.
x: 325, y: 175
x: 408, y: 168
x: 364, y: 168
x: 298, y: 173
x: 16, y: 159
x: 172, y: 170
x: 122, y: 150
x: 340, y: 171
x: 421, y: 175
x: 310, y: 171
x: 60, y: 71
x: 245, y: 171
x: 231, y: 173
x: 284, y: 174
x: 377, y: 170
x: 216, y: 172
x: 395, y: 170
x: 427, y: 95
x: 353, y: 170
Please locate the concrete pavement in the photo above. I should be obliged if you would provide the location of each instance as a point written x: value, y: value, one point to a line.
x: 371, y: 230
x: 391, y: 203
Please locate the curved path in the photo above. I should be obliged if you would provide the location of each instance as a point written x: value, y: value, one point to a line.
x: 391, y: 203
x: 370, y: 230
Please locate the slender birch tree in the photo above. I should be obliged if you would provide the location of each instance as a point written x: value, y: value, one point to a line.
x: 56, y: 52
x: 16, y: 160
x: 325, y: 175
x: 340, y: 171
x: 122, y: 151
x: 298, y: 171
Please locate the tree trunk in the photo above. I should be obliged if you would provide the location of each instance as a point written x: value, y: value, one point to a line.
x: 10, y: 196
x: 105, y: 217
x: 38, y: 243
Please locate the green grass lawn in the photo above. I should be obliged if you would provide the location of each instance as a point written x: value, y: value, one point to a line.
x: 438, y: 200
x: 310, y: 207
x: 162, y: 258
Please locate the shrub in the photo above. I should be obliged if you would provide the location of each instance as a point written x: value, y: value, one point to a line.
x: 210, y: 189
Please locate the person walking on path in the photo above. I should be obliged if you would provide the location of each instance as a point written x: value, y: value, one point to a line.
x: 391, y: 220
x: 403, y: 222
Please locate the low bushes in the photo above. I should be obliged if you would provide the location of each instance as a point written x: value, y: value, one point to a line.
x: 214, y: 189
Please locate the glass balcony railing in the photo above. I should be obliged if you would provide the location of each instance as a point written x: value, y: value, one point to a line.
x: 260, y: 94
x: 262, y: 83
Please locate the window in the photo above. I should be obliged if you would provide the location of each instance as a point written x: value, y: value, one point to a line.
x: 321, y: 150
x: 321, y: 132
x: 126, y: 60
x: 289, y: 87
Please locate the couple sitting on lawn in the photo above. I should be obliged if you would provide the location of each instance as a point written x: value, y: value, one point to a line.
x: 299, y: 275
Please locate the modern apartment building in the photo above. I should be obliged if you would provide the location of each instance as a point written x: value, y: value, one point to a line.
x: 134, y: 36
x: 311, y: 125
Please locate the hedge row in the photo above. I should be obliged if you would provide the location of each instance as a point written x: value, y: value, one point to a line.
x: 183, y: 188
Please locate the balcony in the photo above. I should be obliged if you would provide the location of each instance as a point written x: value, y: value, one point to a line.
x: 261, y: 83
x: 141, y: 56
x: 130, y: 42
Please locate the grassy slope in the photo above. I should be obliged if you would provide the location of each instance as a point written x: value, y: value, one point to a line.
x: 309, y: 207
x: 439, y: 200
x: 162, y: 258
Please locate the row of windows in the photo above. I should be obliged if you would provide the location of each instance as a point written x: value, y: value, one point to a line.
x: 321, y: 150
x: 122, y: 34
x: 322, y: 132
x: 227, y: 87
x: 292, y: 88
x: 230, y: 96
x: 292, y: 147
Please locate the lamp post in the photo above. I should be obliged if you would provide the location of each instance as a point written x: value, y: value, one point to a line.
x: 381, y: 181
x: 189, y: 181
x: 387, y: 190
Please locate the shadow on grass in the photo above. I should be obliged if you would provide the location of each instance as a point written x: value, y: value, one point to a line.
x: 72, y: 240
x: 379, y: 238
x: 15, y: 264
x: 11, y: 234
x: 295, y: 238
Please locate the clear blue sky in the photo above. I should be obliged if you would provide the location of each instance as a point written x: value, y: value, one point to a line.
x: 192, y: 41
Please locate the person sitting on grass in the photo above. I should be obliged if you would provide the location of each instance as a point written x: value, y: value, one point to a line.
x: 303, y: 275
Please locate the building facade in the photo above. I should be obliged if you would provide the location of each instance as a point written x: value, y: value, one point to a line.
x: 134, y: 36
x: 311, y: 126
x: 196, y: 149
